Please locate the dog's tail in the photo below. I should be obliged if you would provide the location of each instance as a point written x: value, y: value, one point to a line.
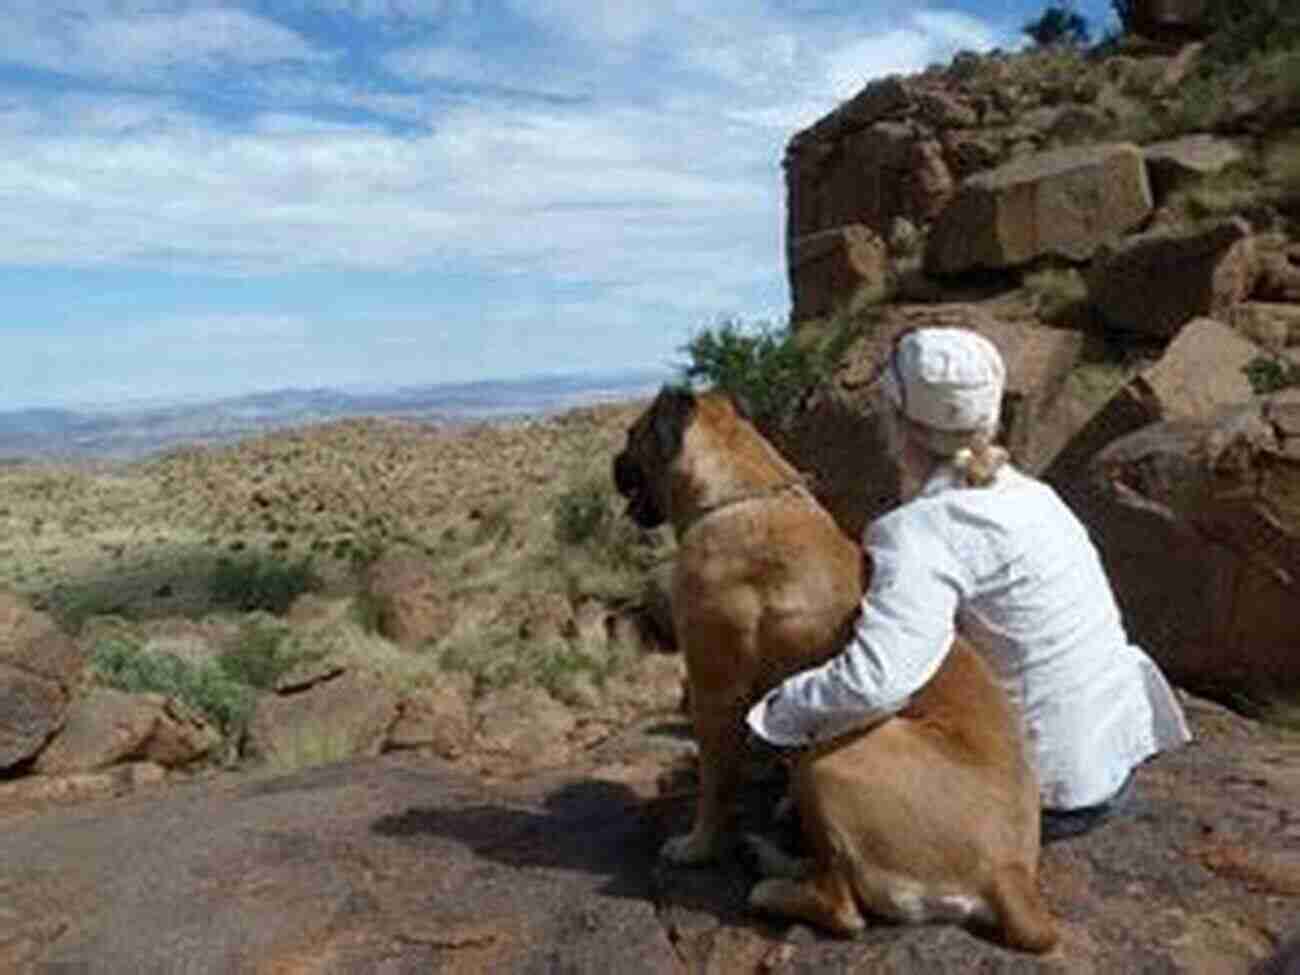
x: 1015, y: 900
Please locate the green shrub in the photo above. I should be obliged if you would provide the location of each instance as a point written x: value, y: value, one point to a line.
x: 1268, y: 374
x: 494, y: 523
x: 1057, y: 293
x: 583, y: 511
x: 596, y: 551
x: 261, y: 656
x: 1124, y: 10
x: 225, y: 702
x: 768, y: 368
x: 362, y: 552
x: 1223, y: 194
x: 74, y: 603
x: 256, y: 582
x: 1059, y: 24
x: 366, y: 611
x: 1199, y: 102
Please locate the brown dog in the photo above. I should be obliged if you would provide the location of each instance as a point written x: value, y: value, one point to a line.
x: 932, y: 814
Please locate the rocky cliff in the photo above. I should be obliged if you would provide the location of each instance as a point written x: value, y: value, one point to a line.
x: 1134, y: 250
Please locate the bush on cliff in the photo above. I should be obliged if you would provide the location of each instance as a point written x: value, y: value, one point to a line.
x: 1058, y: 25
x: 769, y: 369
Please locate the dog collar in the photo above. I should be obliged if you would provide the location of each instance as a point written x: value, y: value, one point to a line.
x: 770, y: 491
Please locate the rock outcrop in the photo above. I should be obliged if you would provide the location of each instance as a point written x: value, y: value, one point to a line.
x: 1186, y: 161
x: 1155, y: 283
x: 1216, y: 504
x: 1170, y: 20
x: 107, y: 727
x: 406, y: 864
x: 38, y: 667
x: 439, y: 719
x: 1003, y: 163
x: 411, y: 604
x: 833, y: 265
x: 1201, y: 371
x: 339, y: 718
x: 1062, y: 204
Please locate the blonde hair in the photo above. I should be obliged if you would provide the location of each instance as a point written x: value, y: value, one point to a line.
x: 972, y: 452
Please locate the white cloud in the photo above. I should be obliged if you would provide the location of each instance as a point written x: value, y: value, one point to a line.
x: 608, y: 23
x: 652, y: 195
x: 951, y: 31
x: 193, y: 38
x: 130, y: 40
x: 627, y: 193
x: 592, y: 195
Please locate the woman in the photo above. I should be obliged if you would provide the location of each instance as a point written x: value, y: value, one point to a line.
x: 979, y: 545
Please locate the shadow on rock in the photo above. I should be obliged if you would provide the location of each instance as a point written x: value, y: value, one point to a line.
x: 593, y: 826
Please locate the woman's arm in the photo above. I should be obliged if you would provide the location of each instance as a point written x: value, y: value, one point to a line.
x: 902, y: 635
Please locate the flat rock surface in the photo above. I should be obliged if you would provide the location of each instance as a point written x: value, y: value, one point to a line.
x: 407, y: 864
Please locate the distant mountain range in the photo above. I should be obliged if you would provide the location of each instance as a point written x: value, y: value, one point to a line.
x: 124, y: 433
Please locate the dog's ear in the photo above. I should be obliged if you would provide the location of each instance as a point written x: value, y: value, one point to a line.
x: 673, y: 410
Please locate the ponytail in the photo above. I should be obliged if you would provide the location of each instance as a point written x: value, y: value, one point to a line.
x: 972, y: 452
x: 980, y: 460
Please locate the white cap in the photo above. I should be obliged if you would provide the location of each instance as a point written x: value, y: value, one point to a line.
x: 946, y: 378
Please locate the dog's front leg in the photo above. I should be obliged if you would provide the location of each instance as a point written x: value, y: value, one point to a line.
x: 719, y: 731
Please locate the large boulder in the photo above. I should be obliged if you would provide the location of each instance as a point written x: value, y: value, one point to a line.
x: 1155, y: 283
x: 1200, y: 371
x: 28, y: 792
x: 929, y: 182
x: 38, y: 666
x: 858, y: 178
x: 409, y: 599
x: 1170, y: 20
x: 438, y: 718
x: 106, y: 727
x: 1063, y: 204
x: 335, y: 719
x: 1199, y: 525
x: 828, y: 267
x: 1188, y: 160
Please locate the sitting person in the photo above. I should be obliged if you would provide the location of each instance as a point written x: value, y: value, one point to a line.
x: 979, y: 545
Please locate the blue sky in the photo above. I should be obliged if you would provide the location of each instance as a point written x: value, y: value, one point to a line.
x: 201, y: 199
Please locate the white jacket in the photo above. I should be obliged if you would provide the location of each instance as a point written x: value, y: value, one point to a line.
x: 1016, y: 569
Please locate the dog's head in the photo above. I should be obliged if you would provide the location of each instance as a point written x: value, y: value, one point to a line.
x: 653, y: 442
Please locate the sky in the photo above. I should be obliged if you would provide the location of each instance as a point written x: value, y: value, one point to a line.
x: 204, y: 199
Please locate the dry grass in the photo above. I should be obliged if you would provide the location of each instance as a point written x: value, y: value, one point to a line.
x: 1224, y: 194
x: 515, y: 521
x: 1282, y: 163
x: 145, y: 539
x: 308, y: 745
